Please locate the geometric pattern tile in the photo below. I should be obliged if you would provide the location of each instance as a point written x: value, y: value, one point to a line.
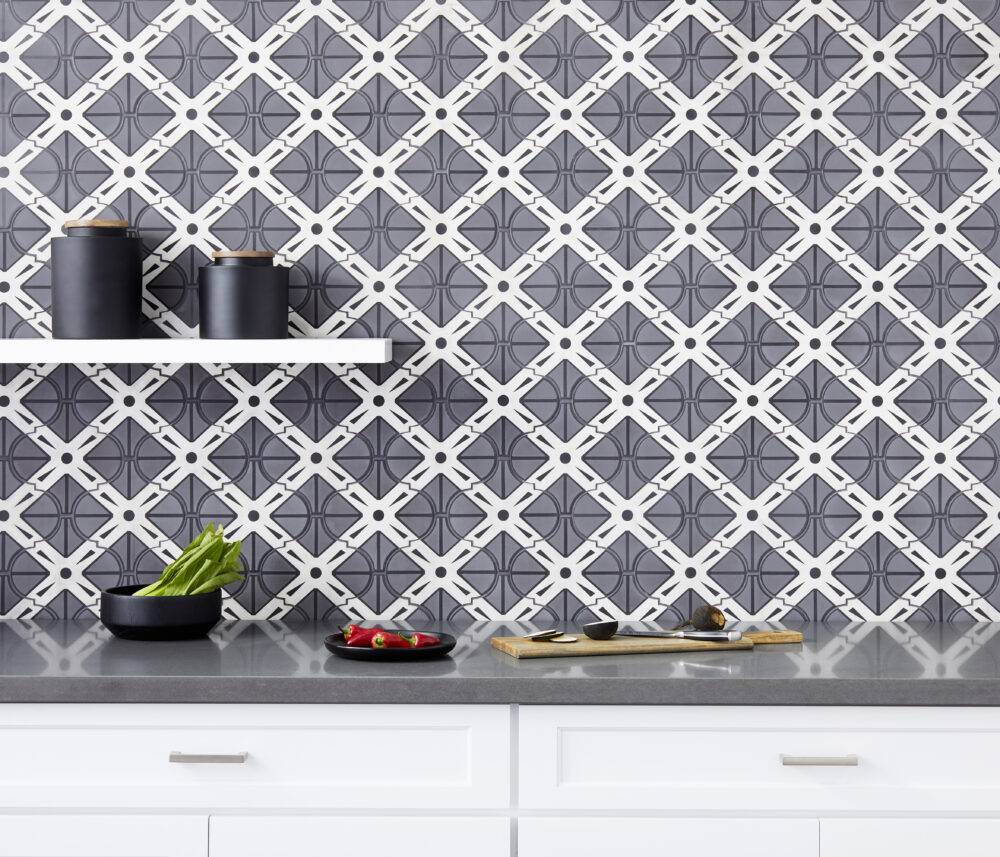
x: 691, y: 302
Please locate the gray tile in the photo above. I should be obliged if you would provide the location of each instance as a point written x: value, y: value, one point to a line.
x: 628, y: 573
x: 940, y: 515
x: 565, y: 515
x: 753, y: 114
x: 503, y: 457
x: 690, y: 515
x: 815, y: 515
x: 940, y: 400
x: 877, y: 343
x: 503, y: 343
x: 752, y: 458
x: 627, y: 457
x: 877, y: 458
x: 753, y: 343
x: 628, y: 343
x: 690, y: 400
x: 441, y: 400
x: 628, y: 114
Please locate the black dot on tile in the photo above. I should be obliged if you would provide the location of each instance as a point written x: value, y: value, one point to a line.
x: 128, y: 56
x: 503, y: 514
x: 814, y: 573
x: 503, y: 56
x: 565, y: 114
x: 503, y: 401
x: 627, y: 515
x: 565, y: 229
x: 128, y: 401
x: 4, y: 515
x: 815, y: 228
x: 940, y: 573
x: 378, y: 515
x: 690, y: 572
x: 4, y: 56
x: 752, y: 401
x: 878, y: 171
x: 877, y: 515
x: 753, y: 56
x: 690, y: 342
x: 816, y: 113
x: 315, y: 573
x: 628, y: 171
x: 253, y: 172
x: 4, y: 172
x: 753, y: 172
x: 441, y: 342
x: 316, y: 229
x: 128, y: 515
x: 503, y: 172
x: 440, y: 458
x: 628, y: 285
x: 628, y: 56
x: 66, y: 458
x: 503, y: 285
x: 441, y: 228
x: 752, y: 286
x: 565, y: 458
x: 940, y: 228
x: 378, y: 172
x: 129, y: 172
x: 440, y: 571
x: 877, y: 401
x: 192, y: 229
x: 253, y: 401
x: 65, y: 573
x: 66, y: 115
x: 191, y: 114
x: 378, y: 286
x: 752, y: 515
x: 815, y: 458
x: 627, y: 401
x: 378, y: 401
x: 564, y: 572
x: 253, y: 516
x: 4, y: 401
x: 941, y: 113
x: 378, y: 56
x: 877, y: 286
x: 565, y: 343
x: 940, y: 458
x: 316, y: 458
x: 316, y: 113
x: 441, y: 113
x: 253, y: 56
x: 191, y: 457
x: 690, y: 229
x: 815, y: 344
x: 878, y: 56
x: 940, y: 343
x: 690, y: 457
x: 691, y: 114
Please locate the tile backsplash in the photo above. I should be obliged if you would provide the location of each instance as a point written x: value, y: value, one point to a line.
x: 691, y: 301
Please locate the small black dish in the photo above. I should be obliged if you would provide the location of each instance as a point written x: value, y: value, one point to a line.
x: 159, y: 617
x: 335, y: 643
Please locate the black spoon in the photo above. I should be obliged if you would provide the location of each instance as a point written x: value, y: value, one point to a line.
x: 609, y: 629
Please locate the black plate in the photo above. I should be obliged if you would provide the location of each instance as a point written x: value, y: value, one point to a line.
x: 335, y: 643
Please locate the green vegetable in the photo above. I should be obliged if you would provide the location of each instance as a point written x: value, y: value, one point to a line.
x: 207, y: 564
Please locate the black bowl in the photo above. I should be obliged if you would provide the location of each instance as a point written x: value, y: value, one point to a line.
x: 159, y: 617
x: 335, y: 643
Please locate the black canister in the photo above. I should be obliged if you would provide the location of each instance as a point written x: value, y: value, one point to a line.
x: 243, y: 295
x: 96, y: 281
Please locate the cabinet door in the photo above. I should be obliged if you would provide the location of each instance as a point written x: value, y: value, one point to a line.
x: 659, y: 837
x: 321, y: 836
x: 103, y: 836
x: 912, y: 837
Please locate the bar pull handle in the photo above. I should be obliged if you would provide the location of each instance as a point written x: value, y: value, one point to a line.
x: 849, y: 761
x: 208, y: 758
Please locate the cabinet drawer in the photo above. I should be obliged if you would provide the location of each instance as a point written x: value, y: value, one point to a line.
x: 302, y: 836
x: 103, y: 836
x: 601, y: 837
x: 730, y: 758
x: 301, y: 756
x: 913, y: 837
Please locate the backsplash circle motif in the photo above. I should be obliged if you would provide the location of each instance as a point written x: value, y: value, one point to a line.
x: 690, y: 301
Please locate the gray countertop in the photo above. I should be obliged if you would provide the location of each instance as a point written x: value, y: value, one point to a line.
x: 858, y: 664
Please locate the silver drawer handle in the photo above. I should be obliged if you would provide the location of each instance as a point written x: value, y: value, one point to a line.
x: 849, y: 761
x: 208, y: 758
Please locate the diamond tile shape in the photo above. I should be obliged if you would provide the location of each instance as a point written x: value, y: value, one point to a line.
x: 628, y: 114
x: 690, y: 400
x: 378, y: 114
x: 65, y: 57
x: 566, y: 171
x: 191, y: 401
x: 128, y: 114
x: 879, y: 19
x: 254, y: 222
x: 565, y: 515
x: 20, y: 114
x: 191, y: 57
x: 176, y: 286
x: 440, y: 286
x: 755, y: 18
x: 628, y: 573
x: 20, y: 230
x: 940, y: 515
x: 14, y: 15
x: 815, y: 515
x: 690, y: 515
x: 66, y: 401
x: 815, y: 286
x: 441, y: 171
x: 503, y: 572
x: 254, y: 19
x: 503, y: 114
x: 378, y: 457
x: 815, y: 400
x: 315, y: 515
x: 66, y: 515
x: 503, y: 228
x: 318, y: 286
x: 982, y: 228
x: 565, y: 57
x: 878, y: 114
x: 20, y: 458
x: 941, y: 55
x: 940, y: 171
x: 628, y: 343
x: 877, y: 458
x: 378, y: 17
x: 690, y: 57
x: 378, y: 573
x: 878, y: 343
x: 66, y: 171
x: 565, y: 286
x: 627, y: 457
x: 503, y: 457
x: 441, y: 515
x: 253, y: 458
x: 379, y: 229
x: 940, y: 400
x: 128, y: 457
x: 752, y: 458
x: 316, y: 57
x: 191, y: 171
x: 816, y: 171
x: 753, y: 572
x: 441, y: 57
x: 254, y: 114
x: 691, y: 171
x: 627, y: 19
x: 982, y: 458
x: 753, y: 114
x: 690, y: 286
x: 441, y: 400
x: 315, y: 401
x: 940, y: 286
x: 878, y: 229
x: 983, y: 114
x: 816, y: 56
x: 316, y: 171
x: 628, y: 228
x: 982, y: 343
x: 753, y: 228
x: 878, y: 573
x: 753, y: 343
x: 503, y: 343
x: 565, y: 400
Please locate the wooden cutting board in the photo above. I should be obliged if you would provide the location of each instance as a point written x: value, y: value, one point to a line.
x: 520, y: 647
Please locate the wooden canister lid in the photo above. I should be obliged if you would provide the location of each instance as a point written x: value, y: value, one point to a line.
x: 96, y: 224
x: 242, y: 254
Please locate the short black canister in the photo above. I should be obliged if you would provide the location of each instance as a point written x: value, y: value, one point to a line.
x: 243, y: 295
x: 96, y: 281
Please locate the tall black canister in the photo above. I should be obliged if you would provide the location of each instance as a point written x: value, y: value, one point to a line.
x: 243, y: 295
x: 96, y: 281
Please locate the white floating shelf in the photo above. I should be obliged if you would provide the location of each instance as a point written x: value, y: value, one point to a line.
x: 292, y: 350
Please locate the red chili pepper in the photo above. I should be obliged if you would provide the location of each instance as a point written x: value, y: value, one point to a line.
x: 350, y: 630
x: 419, y: 640
x: 358, y: 637
x: 388, y: 640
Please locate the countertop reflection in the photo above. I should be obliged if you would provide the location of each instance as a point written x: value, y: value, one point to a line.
x: 244, y: 661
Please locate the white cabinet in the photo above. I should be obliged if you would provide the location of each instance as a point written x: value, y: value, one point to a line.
x: 103, y: 836
x: 910, y: 837
x: 277, y: 836
x: 601, y: 837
